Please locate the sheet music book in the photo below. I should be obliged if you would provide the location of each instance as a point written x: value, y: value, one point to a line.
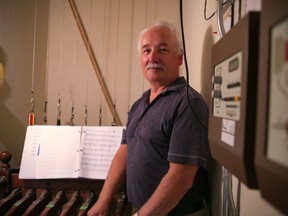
x: 52, y: 152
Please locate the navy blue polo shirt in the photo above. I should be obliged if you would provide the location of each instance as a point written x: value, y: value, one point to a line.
x: 166, y: 130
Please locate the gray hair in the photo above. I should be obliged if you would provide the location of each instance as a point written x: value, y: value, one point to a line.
x: 161, y: 24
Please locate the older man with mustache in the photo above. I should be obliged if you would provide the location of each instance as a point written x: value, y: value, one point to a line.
x: 164, y: 153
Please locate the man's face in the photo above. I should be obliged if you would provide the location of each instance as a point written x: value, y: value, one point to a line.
x: 160, y: 59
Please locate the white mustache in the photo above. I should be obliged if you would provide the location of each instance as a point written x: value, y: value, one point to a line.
x: 155, y: 66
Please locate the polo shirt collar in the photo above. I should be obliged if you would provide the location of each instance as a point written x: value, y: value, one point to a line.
x: 177, y: 85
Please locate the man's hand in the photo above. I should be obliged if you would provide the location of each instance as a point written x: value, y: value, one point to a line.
x: 115, y: 178
x: 99, y: 209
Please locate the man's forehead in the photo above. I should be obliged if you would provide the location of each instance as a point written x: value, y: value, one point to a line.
x: 147, y: 44
x: 158, y: 38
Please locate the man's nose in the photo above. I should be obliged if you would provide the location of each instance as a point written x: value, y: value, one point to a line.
x: 154, y: 56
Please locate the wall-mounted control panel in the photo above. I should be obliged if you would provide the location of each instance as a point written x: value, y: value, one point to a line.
x: 232, y: 121
x: 226, y: 91
x: 271, y: 155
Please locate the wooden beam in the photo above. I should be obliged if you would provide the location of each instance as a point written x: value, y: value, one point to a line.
x: 94, y: 62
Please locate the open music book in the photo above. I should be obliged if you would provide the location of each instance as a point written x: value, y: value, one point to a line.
x: 52, y: 152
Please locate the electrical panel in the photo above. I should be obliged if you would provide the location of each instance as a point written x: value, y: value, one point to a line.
x: 272, y: 105
x: 227, y: 88
x: 232, y: 121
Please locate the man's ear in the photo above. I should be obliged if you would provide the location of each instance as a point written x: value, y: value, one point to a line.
x: 180, y: 57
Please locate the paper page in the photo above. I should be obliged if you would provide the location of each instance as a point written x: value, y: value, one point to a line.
x: 99, y: 147
x: 58, y: 152
x: 29, y: 155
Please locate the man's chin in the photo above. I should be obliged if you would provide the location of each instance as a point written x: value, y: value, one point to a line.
x: 154, y: 77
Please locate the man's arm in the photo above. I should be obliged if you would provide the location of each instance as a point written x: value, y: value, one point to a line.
x: 178, y: 180
x: 114, y: 180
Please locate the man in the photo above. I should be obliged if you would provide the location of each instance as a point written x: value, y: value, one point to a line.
x: 165, y: 148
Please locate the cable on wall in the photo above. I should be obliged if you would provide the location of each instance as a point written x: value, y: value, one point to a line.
x: 186, y: 67
x: 146, y: 23
x: 205, y: 12
x: 232, y: 13
x: 239, y: 10
x: 213, y: 14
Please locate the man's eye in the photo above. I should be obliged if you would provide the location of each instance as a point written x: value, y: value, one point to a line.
x: 146, y: 51
x: 163, y: 50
